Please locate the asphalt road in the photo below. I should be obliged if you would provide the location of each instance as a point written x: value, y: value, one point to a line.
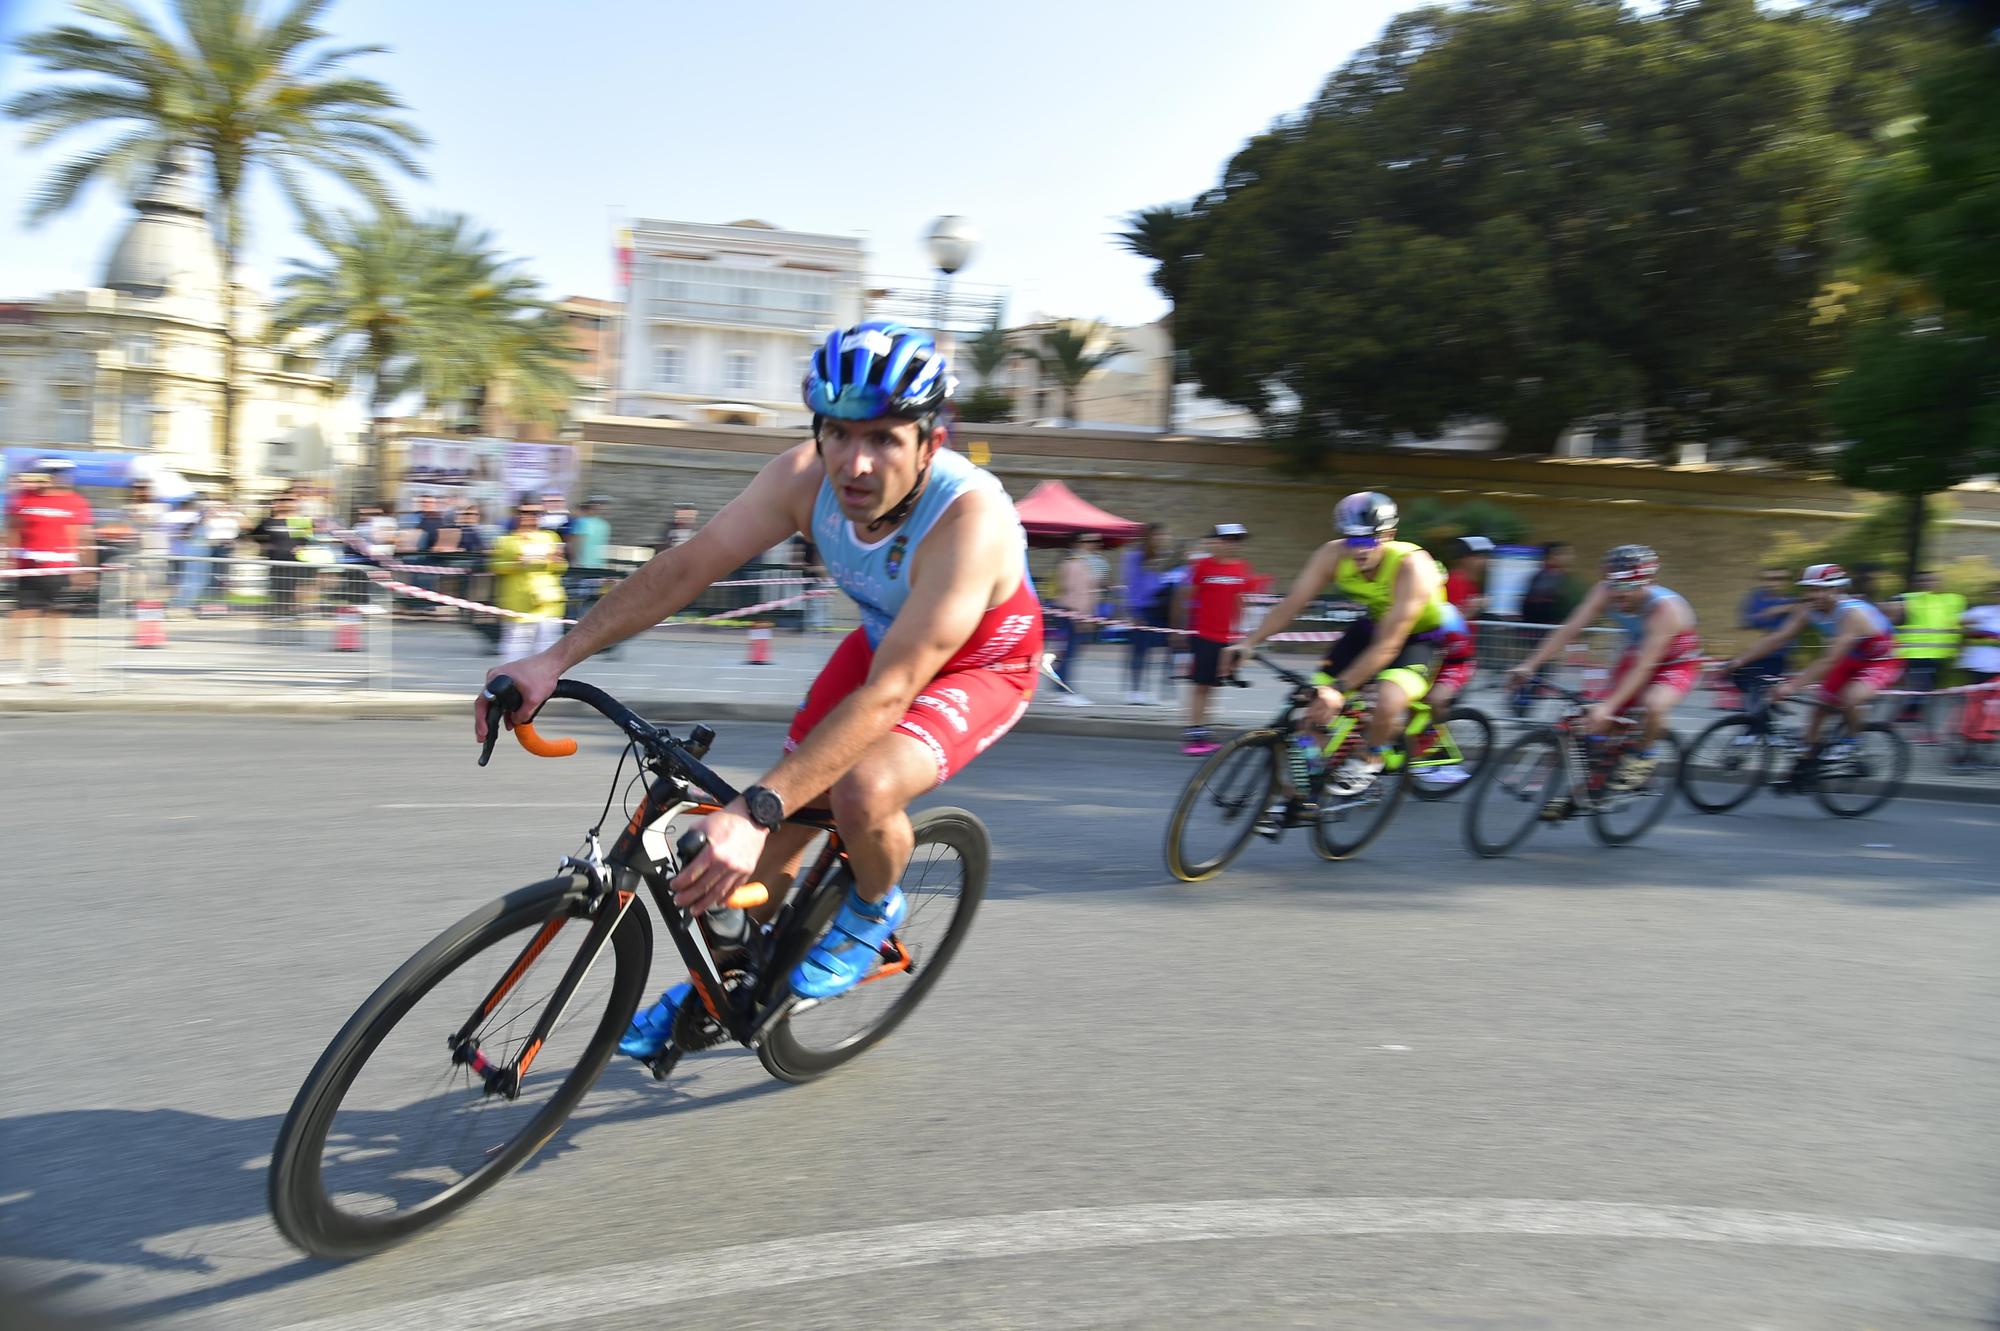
x: 1742, y: 1075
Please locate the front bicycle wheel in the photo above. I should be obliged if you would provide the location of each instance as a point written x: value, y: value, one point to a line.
x: 1464, y: 742
x: 1510, y: 793
x: 1859, y: 777
x: 1725, y: 765
x: 1220, y: 807
x: 944, y: 883
x: 392, y: 1132
x: 1343, y: 827
x: 1624, y: 816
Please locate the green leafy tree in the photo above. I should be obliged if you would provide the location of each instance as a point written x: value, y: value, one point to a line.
x: 1539, y: 212
x: 988, y: 354
x: 1070, y: 353
x: 1168, y: 236
x: 241, y: 87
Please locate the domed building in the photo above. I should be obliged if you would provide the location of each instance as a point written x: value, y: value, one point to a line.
x: 134, y: 365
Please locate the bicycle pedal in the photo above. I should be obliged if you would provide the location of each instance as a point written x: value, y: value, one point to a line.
x: 663, y: 1062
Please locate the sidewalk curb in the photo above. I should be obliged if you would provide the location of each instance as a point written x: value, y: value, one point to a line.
x: 452, y: 706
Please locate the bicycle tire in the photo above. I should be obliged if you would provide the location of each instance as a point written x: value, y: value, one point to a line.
x: 1751, y: 763
x: 1394, y: 783
x: 298, y: 1196
x: 1899, y: 750
x: 1488, y: 782
x: 1258, y: 747
x: 1658, y: 794
x: 788, y: 1057
x: 1473, y: 719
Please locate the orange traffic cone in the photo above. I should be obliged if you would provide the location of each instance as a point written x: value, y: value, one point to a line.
x: 760, y: 645
x: 347, y: 629
x: 149, y: 624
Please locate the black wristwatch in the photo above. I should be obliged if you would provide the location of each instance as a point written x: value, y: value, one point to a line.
x: 765, y: 808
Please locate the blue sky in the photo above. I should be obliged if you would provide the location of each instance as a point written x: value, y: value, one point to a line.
x: 1043, y: 122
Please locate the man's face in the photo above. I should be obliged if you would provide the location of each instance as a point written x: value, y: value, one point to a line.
x: 1629, y: 596
x: 554, y: 503
x: 1927, y: 581
x: 1823, y: 598
x: 1775, y: 580
x: 427, y: 504
x: 33, y: 483
x: 1366, y: 551
x: 527, y: 516
x: 871, y: 464
x: 1558, y: 559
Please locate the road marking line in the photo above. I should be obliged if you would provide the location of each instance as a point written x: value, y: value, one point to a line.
x: 749, y: 1267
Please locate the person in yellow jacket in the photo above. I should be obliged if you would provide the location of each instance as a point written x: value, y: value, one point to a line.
x: 1927, y: 634
x: 528, y: 565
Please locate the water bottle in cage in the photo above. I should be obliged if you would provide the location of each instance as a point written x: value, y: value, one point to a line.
x: 1304, y: 760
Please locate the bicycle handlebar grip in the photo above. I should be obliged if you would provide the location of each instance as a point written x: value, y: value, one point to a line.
x: 692, y: 843
x: 542, y: 748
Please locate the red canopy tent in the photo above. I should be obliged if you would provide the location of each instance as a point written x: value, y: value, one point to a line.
x: 1053, y: 515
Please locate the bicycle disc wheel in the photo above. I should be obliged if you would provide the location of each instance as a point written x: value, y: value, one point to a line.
x: 944, y: 883
x: 389, y: 1135
x: 1344, y: 827
x: 1622, y: 817
x: 1510, y: 792
x: 1864, y: 778
x: 1220, y: 807
x: 1466, y: 740
x: 1725, y: 765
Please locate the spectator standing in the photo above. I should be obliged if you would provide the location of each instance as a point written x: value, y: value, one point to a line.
x: 1979, y: 726
x: 1080, y: 587
x: 221, y: 527
x: 1216, y: 587
x: 1767, y: 606
x: 185, y: 543
x: 1550, y: 596
x: 589, y: 550
x: 1465, y: 580
x: 556, y: 516
x: 686, y: 522
x: 47, y: 527
x: 1927, y: 633
x: 1146, y: 602
x: 528, y: 565
x: 283, y: 530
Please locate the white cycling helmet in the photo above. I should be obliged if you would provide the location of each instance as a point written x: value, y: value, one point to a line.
x: 1824, y: 575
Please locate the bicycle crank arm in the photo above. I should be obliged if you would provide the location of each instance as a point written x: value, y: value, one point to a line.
x: 776, y: 1013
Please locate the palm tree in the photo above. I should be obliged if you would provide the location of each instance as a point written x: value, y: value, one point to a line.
x: 430, y: 307
x: 988, y: 354
x: 1070, y: 353
x: 1166, y: 236
x: 240, y: 89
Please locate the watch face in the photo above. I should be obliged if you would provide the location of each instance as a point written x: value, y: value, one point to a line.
x: 766, y: 809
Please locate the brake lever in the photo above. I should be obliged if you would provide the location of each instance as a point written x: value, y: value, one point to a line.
x: 502, y: 696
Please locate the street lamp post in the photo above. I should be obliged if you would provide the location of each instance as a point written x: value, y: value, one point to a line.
x: 950, y: 241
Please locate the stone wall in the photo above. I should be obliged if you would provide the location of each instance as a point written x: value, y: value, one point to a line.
x: 1712, y: 526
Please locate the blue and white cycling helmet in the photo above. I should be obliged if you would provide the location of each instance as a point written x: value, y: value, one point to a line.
x: 877, y: 369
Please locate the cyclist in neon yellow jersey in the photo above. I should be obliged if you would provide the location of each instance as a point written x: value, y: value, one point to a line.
x: 1395, y: 645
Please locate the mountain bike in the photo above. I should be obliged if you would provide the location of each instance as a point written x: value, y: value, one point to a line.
x: 469, y: 1058
x: 1265, y: 782
x: 1554, y: 772
x: 1731, y: 759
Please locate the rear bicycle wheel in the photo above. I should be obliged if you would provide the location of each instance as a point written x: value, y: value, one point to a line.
x: 390, y: 1134
x: 1465, y: 740
x: 1622, y: 817
x: 1859, y: 779
x: 1343, y: 828
x: 1221, y: 804
x: 944, y: 883
x: 1725, y: 765
x: 1511, y: 791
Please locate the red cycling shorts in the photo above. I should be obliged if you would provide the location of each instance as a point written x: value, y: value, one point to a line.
x: 978, y: 696
x: 1454, y: 674
x: 1877, y: 673
x: 1680, y: 676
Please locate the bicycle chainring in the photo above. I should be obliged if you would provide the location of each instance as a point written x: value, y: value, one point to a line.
x: 694, y: 1029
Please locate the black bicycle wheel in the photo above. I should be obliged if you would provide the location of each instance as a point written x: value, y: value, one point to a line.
x: 1220, y: 807
x: 364, y: 1161
x: 1344, y: 827
x: 944, y: 882
x: 1622, y: 817
x: 1470, y: 733
x: 1725, y: 765
x: 1510, y: 792
x: 1859, y: 778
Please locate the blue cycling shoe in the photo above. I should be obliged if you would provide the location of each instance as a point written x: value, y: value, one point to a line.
x: 851, y: 948
x: 653, y: 1029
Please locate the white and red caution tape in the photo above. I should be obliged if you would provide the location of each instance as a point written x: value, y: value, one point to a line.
x: 480, y: 607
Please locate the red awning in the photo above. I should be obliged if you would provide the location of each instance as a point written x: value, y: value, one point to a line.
x: 1054, y: 515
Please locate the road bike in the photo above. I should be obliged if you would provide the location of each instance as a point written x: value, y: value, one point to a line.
x: 469, y: 1058
x: 1736, y: 756
x: 1554, y: 772
x: 1270, y: 779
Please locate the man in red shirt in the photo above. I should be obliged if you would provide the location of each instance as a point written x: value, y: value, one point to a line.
x: 1216, y: 586
x: 47, y: 528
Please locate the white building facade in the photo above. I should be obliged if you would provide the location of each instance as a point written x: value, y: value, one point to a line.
x: 722, y: 320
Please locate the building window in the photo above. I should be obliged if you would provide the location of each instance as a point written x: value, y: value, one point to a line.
x: 139, y: 349
x: 72, y: 415
x: 670, y: 367
x: 740, y: 372
x: 135, y: 426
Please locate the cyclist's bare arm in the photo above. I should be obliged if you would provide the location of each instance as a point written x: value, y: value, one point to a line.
x: 1669, y: 618
x: 1316, y: 574
x: 1773, y: 640
x: 966, y: 560
x: 1565, y: 633
x: 1416, y: 583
